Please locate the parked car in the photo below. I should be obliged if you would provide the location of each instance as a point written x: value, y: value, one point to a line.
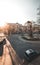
x: 31, y: 54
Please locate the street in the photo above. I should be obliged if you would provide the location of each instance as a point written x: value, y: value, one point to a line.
x: 21, y: 46
x: 14, y: 51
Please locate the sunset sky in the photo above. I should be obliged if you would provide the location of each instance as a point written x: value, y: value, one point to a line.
x: 20, y: 11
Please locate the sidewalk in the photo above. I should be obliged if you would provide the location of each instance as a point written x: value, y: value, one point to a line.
x: 5, y: 59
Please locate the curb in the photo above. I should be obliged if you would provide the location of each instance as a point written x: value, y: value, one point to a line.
x: 34, y: 39
x: 20, y: 37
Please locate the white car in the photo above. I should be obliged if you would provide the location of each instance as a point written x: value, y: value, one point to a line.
x: 31, y: 54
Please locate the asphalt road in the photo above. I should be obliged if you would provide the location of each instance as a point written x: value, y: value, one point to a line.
x: 20, y: 46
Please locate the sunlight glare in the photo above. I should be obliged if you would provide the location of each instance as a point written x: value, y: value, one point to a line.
x: 10, y: 12
x: 2, y: 24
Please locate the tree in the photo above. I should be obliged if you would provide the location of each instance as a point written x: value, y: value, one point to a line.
x: 29, y: 28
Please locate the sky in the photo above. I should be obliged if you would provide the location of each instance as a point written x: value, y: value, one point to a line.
x: 20, y: 11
